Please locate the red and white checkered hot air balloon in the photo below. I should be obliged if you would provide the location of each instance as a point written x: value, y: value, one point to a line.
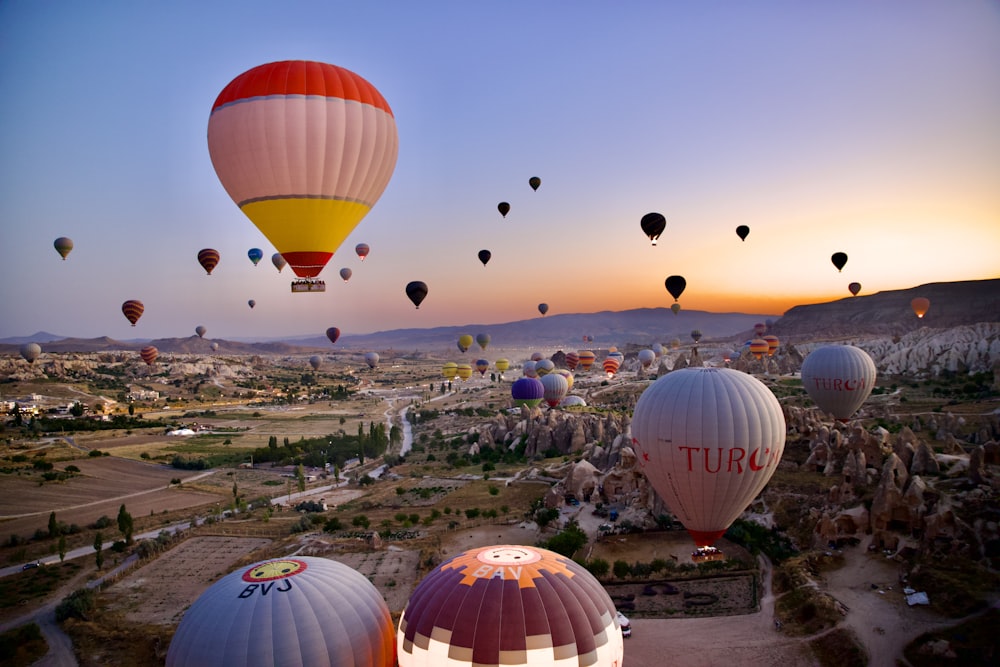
x: 305, y: 149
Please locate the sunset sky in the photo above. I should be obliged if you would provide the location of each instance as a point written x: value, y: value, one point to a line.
x: 870, y: 127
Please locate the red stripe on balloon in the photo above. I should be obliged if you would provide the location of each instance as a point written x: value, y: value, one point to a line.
x: 307, y: 264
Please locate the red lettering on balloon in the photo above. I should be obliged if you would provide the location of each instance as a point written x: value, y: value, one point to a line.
x: 732, y: 459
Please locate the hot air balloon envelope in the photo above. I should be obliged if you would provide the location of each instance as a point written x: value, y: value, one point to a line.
x: 920, y: 306
x: 839, y: 260
x: 333, y: 333
x: 346, y: 273
x: 543, y: 308
x: 251, y: 303
x: 675, y: 286
x: 464, y: 342
x: 483, y: 339
x: 527, y: 391
x: 255, y: 255
x: 362, y: 250
x: 504, y: 208
x: 838, y: 378
x: 30, y: 352
x: 278, y: 261
x: 555, y: 387
x: 209, y: 259
x: 371, y: 358
x: 534, y: 182
x: 484, y: 256
x: 200, y: 330
x: 416, y: 291
x: 315, y: 361
x: 133, y: 310
x: 149, y: 354
x: 743, y: 232
x: 653, y: 225
x: 854, y: 288
x: 63, y: 246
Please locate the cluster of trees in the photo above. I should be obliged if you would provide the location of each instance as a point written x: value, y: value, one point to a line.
x: 334, y: 448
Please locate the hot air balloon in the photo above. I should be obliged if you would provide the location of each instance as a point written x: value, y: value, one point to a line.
x: 675, y: 285
x: 362, y: 250
x: 133, y: 310
x: 504, y: 208
x: 333, y: 333
x: 696, y: 335
x: 586, y: 359
x: 416, y: 291
x: 555, y: 387
x: 345, y: 274
x: 255, y: 255
x: 305, y: 149
x: 149, y: 354
x: 543, y: 367
x: 464, y: 342
x: 920, y: 306
x: 839, y: 259
x: 251, y: 303
x: 760, y: 329
x: 653, y: 225
x: 566, y: 374
x: 200, y: 330
x: 209, y: 259
x: 484, y: 256
x: 675, y: 343
x: 743, y: 232
x: 63, y: 246
x: 611, y: 365
x: 502, y: 364
x: 482, y: 365
x: 300, y: 610
x: 543, y: 308
x: 449, y: 370
x: 572, y: 359
x: 646, y: 358
x: 30, y: 352
x: 838, y: 378
x: 675, y: 308
x: 573, y: 401
x: 537, y: 356
x: 758, y: 347
x: 464, y: 371
x: 534, y: 182
x: 708, y: 440
x: 315, y: 361
x: 371, y: 358
x: 527, y: 391
x: 528, y: 369
x: 214, y: 346
x: 483, y: 340
x: 772, y: 344
x: 854, y: 288
x: 540, y: 608
x: 278, y: 261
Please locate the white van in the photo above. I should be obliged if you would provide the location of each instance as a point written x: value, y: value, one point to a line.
x: 626, y: 626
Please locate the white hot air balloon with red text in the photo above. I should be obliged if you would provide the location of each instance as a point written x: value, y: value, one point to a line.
x: 838, y: 378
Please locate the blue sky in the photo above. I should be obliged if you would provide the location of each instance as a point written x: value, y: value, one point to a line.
x: 868, y: 127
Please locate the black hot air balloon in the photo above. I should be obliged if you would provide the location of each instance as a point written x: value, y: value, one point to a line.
x: 743, y: 232
x: 839, y: 259
x: 333, y: 333
x: 543, y: 308
x: 854, y: 288
x: 484, y: 256
x: 675, y: 285
x: 653, y: 225
x: 416, y: 291
x: 534, y: 182
x: 504, y: 208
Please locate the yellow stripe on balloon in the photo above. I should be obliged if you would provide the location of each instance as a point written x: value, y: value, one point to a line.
x: 306, y: 224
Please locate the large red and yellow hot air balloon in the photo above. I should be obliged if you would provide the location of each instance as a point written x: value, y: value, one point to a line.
x: 708, y: 440
x: 305, y: 149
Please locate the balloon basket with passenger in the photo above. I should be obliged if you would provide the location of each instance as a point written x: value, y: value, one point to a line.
x: 308, y: 285
x: 706, y: 554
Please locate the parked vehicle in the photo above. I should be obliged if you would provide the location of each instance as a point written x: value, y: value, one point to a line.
x: 625, y: 624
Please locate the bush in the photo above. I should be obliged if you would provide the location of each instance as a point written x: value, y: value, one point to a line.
x: 621, y: 569
x: 76, y: 605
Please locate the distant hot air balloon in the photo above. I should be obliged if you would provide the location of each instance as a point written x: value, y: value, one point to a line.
x: 209, y: 259
x: 251, y: 303
x: 133, y: 310
x: 758, y: 347
x: 586, y: 359
x: 743, y: 232
x: 333, y: 333
x: 838, y: 378
x: 920, y: 306
x: 416, y: 291
x: 675, y: 343
x: 482, y: 365
x: 554, y: 387
x: 543, y: 367
x: 30, y: 352
x: 572, y: 359
x: 696, y: 335
x: 534, y: 182
x: 255, y: 255
x: 464, y: 342
x: 611, y: 365
x: 484, y: 256
x: 759, y: 329
x: 528, y: 369
x: 566, y: 374
x: 708, y: 440
x: 362, y: 250
x: 256, y: 616
x: 149, y: 354
x: 541, y: 608
x: 537, y: 356
x: 772, y: 344
x: 527, y: 391
x: 675, y: 308
x: 305, y: 149
x: 315, y: 361
x: 854, y: 288
x: 543, y: 308
x: 839, y: 260
x: 346, y: 273
x: 200, y: 330
x: 464, y: 371
x: 214, y: 346
x: 278, y: 261
x: 371, y: 358
x: 63, y: 246
x: 658, y: 349
x: 646, y: 358
x: 483, y: 339
x: 502, y: 364
x: 449, y: 370
x: 504, y: 208
x: 653, y: 225
x: 675, y: 286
